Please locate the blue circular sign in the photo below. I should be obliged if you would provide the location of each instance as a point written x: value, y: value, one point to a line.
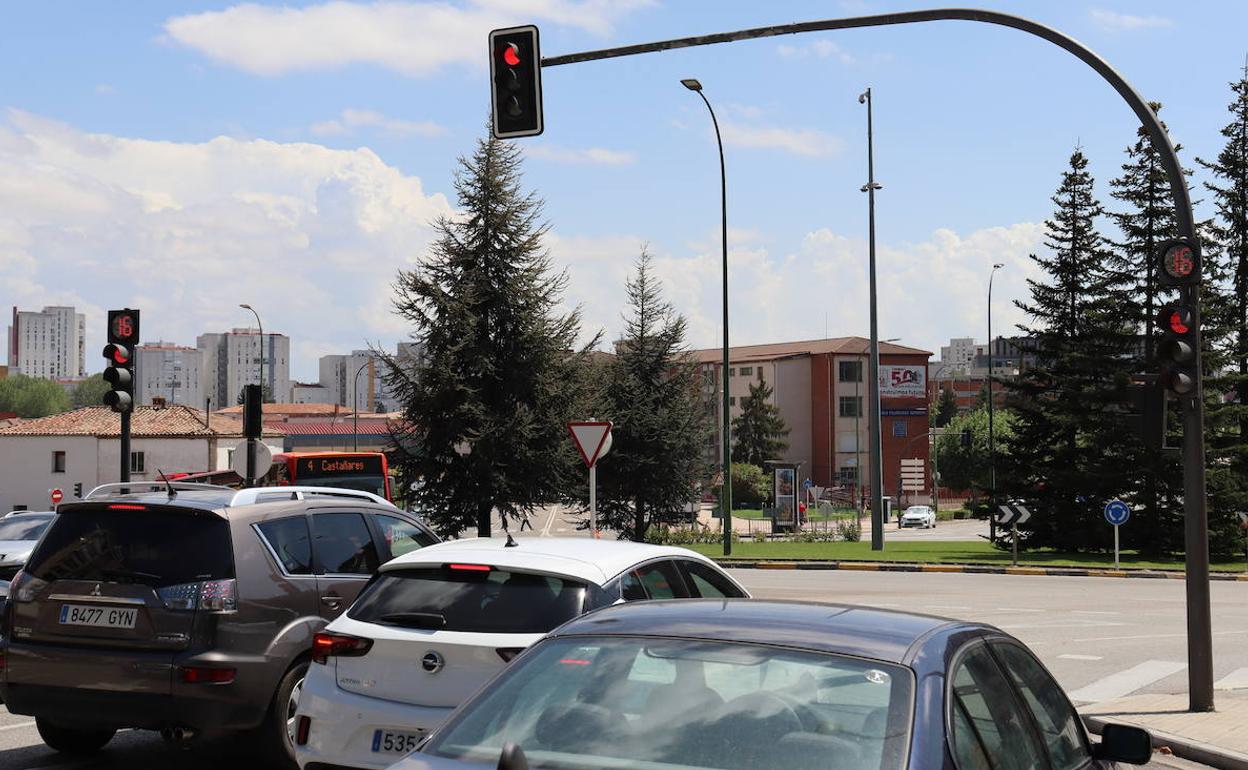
x: 1117, y: 512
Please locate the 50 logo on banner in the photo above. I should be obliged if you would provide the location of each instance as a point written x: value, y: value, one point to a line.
x: 903, y: 381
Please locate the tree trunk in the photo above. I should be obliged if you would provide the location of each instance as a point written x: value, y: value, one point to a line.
x: 484, y: 508
x: 639, y: 523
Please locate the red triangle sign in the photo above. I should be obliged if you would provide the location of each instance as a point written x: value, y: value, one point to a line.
x: 590, y: 437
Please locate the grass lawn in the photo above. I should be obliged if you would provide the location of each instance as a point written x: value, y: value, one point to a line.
x: 968, y: 552
x: 757, y: 515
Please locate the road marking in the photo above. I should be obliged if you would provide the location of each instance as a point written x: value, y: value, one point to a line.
x: 1126, y: 682
x: 18, y: 726
x: 562, y: 529
x: 1093, y: 612
x: 1236, y: 680
x: 1152, y: 636
x: 1072, y: 656
x: 550, y: 519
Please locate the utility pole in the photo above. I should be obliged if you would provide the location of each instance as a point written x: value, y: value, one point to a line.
x: 873, y: 386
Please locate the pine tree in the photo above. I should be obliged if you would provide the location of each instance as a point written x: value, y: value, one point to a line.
x: 661, y: 425
x: 1224, y: 322
x: 946, y: 408
x: 1063, y: 457
x: 485, y: 408
x: 759, y: 430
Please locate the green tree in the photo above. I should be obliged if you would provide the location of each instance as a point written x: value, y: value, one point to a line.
x: 485, y: 409
x: 1065, y: 456
x: 32, y: 397
x: 750, y: 484
x: 266, y: 395
x: 946, y: 408
x: 90, y: 392
x: 969, y: 467
x: 759, y: 430
x: 661, y: 425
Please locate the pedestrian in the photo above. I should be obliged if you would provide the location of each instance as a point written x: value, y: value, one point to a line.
x: 524, y: 521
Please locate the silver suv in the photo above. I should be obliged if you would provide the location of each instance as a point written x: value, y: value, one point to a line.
x: 188, y: 608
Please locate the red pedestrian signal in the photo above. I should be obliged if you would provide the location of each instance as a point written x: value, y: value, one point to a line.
x: 515, y: 82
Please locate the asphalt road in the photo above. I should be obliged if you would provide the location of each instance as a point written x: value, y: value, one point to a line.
x: 1101, y: 638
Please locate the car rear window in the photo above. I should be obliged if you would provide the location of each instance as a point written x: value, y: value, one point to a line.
x: 470, y: 598
x: 153, y: 546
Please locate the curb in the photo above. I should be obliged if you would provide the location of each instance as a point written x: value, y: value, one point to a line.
x: 1184, y: 748
x: 973, y: 569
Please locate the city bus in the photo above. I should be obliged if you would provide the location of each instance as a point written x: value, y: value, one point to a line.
x: 366, y: 471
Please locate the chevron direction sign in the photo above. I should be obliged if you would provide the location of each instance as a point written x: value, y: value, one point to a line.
x: 1012, y: 513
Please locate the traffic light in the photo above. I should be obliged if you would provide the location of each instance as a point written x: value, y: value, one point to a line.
x: 516, y: 82
x: 1179, y: 263
x: 1177, y: 350
x: 123, y: 338
x: 78, y: 489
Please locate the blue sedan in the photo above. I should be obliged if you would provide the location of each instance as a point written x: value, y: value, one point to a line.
x: 761, y: 685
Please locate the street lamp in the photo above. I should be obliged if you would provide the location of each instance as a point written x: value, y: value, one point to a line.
x: 725, y: 496
x: 245, y: 306
x: 873, y: 387
x: 355, y: 403
x: 992, y: 448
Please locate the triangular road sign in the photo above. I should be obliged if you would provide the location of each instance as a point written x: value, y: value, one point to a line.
x: 590, y: 438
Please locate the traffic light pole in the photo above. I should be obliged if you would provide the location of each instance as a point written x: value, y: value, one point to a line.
x: 125, y: 446
x: 1196, y: 533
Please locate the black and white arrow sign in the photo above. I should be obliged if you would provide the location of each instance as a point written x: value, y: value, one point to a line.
x: 1012, y: 513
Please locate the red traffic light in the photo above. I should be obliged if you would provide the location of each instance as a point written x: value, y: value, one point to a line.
x: 1177, y: 320
x: 117, y: 354
x: 511, y: 55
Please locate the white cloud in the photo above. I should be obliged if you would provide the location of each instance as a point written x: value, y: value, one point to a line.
x: 413, y: 38
x: 595, y: 155
x: 311, y: 236
x: 350, y: 120
x: 1116, y: 22
x: 799, y: 141
x: 822, y: 49
x: 104, y: 89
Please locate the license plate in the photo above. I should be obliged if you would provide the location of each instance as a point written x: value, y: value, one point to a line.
x: 392, y: 742
x: 98, y: 617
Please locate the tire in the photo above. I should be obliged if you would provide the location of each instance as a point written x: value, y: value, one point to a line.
x: 275, y: 736
x: 77, y: 741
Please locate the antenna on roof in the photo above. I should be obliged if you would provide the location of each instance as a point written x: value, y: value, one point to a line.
x: 511, y: 542
x: 168, y: 486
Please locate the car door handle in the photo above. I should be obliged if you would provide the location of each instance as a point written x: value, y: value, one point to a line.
x: 332, y: 602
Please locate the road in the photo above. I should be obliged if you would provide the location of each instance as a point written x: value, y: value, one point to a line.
x: 1101, y: 637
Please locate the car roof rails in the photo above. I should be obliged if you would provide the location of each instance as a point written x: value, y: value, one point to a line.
x: 116, y: 488
x: 274, y: 494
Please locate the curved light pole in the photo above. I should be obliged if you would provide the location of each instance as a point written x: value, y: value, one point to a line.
x: 245, y: 306
x: 725, y: 495
x: 355, y: 404
x: 992, y: 447
x: 873, y: 385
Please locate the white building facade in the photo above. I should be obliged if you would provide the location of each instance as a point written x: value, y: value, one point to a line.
x: 234, y: 359
x: 49, y: 344
x: 171, y: 372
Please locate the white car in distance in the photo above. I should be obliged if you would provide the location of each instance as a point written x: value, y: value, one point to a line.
x: 918, y: 516
x: 435, y: 624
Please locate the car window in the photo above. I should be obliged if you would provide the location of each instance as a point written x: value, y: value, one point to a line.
x: 28, y: 527
x: 657, y: 580
x: 1059, y: 725
x: 343, y: 544
x: 991, y: 724
x: 290, y: 543
x: 402, y: 536
x: 707, y: 583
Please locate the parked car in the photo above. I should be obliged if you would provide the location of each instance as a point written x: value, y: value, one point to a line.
x: 918, y: 516
x: 743, y: 685
x: 19, y: 531
x: 436, y: 624
x: 187, y: 608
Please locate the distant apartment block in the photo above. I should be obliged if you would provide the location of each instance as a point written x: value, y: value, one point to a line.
x: 49, y: 344
x: 233, y: 359
x: 174, y: 373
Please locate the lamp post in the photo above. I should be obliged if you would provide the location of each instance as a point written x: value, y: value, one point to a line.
x: 992, y: 447
x: 245, y: 306
x: 725, y: 496
x: 873, y: 386
x: 355, y: 404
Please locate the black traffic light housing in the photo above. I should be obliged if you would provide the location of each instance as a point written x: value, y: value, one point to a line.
x: 123, y: 338
x: 515, y: 82
x: 1177, y: 350
x: 1178, y: 263
x: 1147, y: 410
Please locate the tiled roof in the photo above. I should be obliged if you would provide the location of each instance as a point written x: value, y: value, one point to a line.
x: 336, y: 428
x: 774, y: 350
x: 145, y: 422
x: 289, y: 410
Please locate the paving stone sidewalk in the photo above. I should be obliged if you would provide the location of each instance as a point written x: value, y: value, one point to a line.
x: 1218, y: 739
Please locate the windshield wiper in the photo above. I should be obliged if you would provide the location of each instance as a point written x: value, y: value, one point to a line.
x: 133, y: 574
x: 430, y: 620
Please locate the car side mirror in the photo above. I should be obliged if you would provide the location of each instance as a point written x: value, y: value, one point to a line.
x: 1124, y: 743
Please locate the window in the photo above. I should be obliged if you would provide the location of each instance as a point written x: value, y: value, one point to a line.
x: 136, y: 462
x: 290, y: 543
x: 848, y: 474
x: 402, y: 537
x: 850, y: 406
x: 652, y: 581
x: 849, y: 371
x: 1059, y: 725
x: 900, y: 429
x: 343, y: 544
x: 987, y: 720
x: 58, y: 462
x: 747, y: 371
x: 706, y: 583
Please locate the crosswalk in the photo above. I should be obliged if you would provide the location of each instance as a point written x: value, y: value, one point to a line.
x: 1122, y: 683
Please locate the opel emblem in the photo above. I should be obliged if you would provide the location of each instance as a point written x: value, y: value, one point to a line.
x: 433, y: 662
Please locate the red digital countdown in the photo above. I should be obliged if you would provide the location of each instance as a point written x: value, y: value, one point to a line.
x: 123, y: 326
x: 1179, y: 261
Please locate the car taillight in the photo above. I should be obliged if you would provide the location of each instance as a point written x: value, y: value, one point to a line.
x: 326, y: 646
x: 207, y: 595
x: 507, y: 653
x: 207, y: 675
x: 25, y: 587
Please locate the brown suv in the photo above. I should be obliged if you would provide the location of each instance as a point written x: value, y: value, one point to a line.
x: 187, y: 608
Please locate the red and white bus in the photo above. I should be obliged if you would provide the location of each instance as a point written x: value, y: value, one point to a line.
x: 366, y: 471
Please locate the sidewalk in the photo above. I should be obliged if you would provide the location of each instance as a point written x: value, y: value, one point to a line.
x: 1218, y: 739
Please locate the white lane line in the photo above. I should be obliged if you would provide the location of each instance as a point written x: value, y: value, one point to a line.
x: 1152, y: 636
x: 1093, y: 612
x: 1236, y: 680
x: 550, y: 519
x: 1072, y: 656
x: 1126, y: 682
x: 18, y: 726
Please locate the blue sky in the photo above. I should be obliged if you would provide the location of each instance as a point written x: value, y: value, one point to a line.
x: 185, y: 157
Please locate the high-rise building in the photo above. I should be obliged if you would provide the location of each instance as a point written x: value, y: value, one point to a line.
x: 49, y: 344
x: 171, y: 372
x: 340, y: 375
x: 234, y: 359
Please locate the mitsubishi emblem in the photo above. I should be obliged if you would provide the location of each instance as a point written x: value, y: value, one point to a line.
x: 95, y: 591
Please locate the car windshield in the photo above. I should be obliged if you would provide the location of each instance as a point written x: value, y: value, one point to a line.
x: 621, y: 702
x: 920, y: 509
x: 24, y: 527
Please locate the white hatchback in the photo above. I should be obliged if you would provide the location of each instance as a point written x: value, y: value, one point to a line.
x: 435, y: 624
x: 918, y: 516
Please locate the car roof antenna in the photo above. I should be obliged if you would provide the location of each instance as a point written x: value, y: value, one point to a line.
x: 511, y: 543
x: 512, y: 758
x: 168, y: 486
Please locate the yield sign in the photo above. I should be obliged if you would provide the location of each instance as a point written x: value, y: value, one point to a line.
x: 592, y: 439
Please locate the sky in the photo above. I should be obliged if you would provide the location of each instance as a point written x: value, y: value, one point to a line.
x: 185, y: 157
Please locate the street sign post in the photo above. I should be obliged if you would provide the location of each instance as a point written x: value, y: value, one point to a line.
x: 593, y: 440
x: 1013, y: 514
x: 56, y: 496
x: 1116, y: 513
